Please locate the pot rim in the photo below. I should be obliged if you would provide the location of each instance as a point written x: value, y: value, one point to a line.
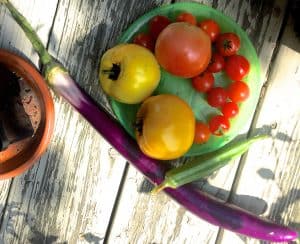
x: 31, y: 73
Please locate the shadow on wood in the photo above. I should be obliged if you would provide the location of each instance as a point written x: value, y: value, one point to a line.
x: 253, y: 204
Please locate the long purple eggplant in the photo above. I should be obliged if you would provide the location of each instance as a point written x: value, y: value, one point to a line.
x: 202, y: 205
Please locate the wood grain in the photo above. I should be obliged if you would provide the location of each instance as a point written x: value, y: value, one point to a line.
x: 152, y: 220
x: 274, y: 166
x: 82, y: 191
x: 12, y: 38
x: 40, y: 14
x: 69, y: 195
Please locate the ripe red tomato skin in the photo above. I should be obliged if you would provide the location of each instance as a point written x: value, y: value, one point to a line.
x: 237, y: 67
x: 183, y: 50
x: 157, y: 24
x: 202, y: 133
x: 238, y: 91
x: 228, y: 44
x: 218, y: 125
x: 217, y: 97
x: 211, y: 27
x: 217, y: 63
x: 230, y: 109
x: 187, y: 17
x: 203, y: 82
x: 144, y: 40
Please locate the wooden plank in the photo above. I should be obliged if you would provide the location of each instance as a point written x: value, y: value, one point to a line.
x: 273, y: 166
x: 13, y: 39
x: 69, y: 195
x: 142, y: 219
x: 39, y: 14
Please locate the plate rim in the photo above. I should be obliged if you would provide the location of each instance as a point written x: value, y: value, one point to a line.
x: 139, y: 22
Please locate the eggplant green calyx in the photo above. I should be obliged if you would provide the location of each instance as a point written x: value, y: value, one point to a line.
x: 51, y: 67
x: 51, y: 73
x: 114, y: 72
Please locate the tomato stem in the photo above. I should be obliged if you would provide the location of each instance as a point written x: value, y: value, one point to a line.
x: 114, y: 72
x: 138, y: 125
x: 228, y: 44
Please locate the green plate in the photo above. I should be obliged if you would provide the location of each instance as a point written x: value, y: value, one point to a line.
x: 182, y: 87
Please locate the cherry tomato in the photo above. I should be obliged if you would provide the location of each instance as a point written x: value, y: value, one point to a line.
x: 211, y: 27
x: 238, y: 91
x: 218, y: 125
x: 187, y: 17
x: 228, y: 44
x: 217, y: 96
x: 157, y: 24
x: 161, y: 131
x: 202, y: 133
x: 144, y: 40
x: 230, y: 109
x: 216, y: 64
x: 183, y: 49
x: 237, y: 67
x: 203, y: 82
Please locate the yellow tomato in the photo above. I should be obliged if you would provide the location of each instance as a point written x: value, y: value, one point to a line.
x: 165, y: 127
x: 129, y: 73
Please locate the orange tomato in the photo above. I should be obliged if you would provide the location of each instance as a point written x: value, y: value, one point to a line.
x: 165, y: 127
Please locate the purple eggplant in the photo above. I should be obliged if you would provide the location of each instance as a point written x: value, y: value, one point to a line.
x: 206, y: 207
x: 202, y: 205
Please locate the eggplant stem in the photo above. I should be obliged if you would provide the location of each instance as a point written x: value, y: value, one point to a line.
x: 195, y: 201
x: 50, y: 65
x: 36, y: 42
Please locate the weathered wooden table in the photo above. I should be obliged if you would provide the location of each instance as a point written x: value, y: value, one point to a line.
x: 83, y: 191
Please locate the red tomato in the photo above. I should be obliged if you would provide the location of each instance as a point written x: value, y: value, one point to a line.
x: 228, y: 44
x: 238, y: 91
x: 187, y: 17
x: 157, y: 24
x: 237, y: 67
x: 203, y: 82
x: 202, y: 133
x: 217, y: 96
x: 230, y: 109
x: 144, y: 40
x: 183, y: 49
x: 218, y: 125
x: 216, y: 64
x: 211, y: 27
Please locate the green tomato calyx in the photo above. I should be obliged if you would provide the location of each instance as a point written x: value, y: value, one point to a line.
x: 114, y: 72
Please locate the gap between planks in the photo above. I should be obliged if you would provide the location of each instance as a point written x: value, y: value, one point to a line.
x: 116, y: 203
x: 256, y: 115
x: 11, y: 181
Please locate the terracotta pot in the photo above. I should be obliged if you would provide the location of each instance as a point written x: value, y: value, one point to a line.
x: 21, y: 155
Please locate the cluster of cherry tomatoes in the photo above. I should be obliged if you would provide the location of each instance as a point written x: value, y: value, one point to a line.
x: 224, y: 58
